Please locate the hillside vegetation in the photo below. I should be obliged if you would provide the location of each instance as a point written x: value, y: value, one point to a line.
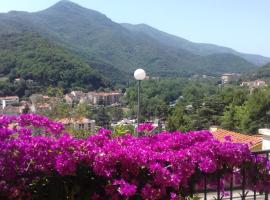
x: 202, y: 49
x: 263, y: 72
x: 116, y: 50
x: 29, y: 56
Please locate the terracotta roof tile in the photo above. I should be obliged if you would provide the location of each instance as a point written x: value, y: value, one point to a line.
x: 251, y: 140
x: 104, y: 93
x: 82, y: 120
x: 9, y: 97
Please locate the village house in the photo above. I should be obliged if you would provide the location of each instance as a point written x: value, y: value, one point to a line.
x: 38, y: 98
x: 78, y: 123
x: 156, y: 78
x: 104, y: 98
x: 17, y: 80
x: 76, y: 97
x: 94, y: 98
x: 8, y: 100
x: 228, y: 77
x: 255, y: 142
x: 69, y: 99
x: 40, y: 107
x: 125, y: 121
x: 254, y: 84
x: 15, y: 109
x: 11, y: 110
x: 266, y: 138
x: 42, y: 103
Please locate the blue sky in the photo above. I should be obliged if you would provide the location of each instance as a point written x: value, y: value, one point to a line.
x: 240, y: 24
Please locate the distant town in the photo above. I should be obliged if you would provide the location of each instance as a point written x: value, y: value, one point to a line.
x: 44, y: 104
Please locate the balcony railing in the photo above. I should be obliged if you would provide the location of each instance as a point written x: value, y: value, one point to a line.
x: 233, y: 190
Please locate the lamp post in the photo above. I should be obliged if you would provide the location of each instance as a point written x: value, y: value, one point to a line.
x: 139, y: 75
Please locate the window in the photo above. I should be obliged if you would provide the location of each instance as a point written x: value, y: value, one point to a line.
x: 81, y: 126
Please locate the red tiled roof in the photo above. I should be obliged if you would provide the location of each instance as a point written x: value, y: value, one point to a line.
x: 251, y: 140
x: 9, y: 97
x: 106, y: 94
x: 81, y: 120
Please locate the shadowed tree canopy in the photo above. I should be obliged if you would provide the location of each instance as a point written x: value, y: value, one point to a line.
x: 30, y: 57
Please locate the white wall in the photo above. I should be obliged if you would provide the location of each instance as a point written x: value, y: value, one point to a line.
x: 266, y: 142
x: 266, y: 138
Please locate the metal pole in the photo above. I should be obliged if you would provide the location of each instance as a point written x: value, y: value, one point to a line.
x: 267, y: 193
x: 139, y: 102
x: 205, y: 187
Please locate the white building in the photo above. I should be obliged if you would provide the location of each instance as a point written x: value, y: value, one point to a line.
x: 254, y: 84
x: 228, y: 77
x: 104, y: 98
x: 8, y: 100
x: 76, y: 97
x: 79, y: 123
x: 266, y: 138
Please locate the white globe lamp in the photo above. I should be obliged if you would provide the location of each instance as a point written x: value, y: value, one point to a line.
x: 139, y: 74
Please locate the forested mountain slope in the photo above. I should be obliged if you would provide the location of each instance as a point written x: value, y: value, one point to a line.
x: 29, y: 56
x: 114, y: 50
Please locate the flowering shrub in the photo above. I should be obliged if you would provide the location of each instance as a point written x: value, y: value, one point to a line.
x: 145, y: 127
x: 122, y: 129
x: 38, y: 160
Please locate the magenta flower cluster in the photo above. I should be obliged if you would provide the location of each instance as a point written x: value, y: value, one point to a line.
x: 145, y: 127
x: 160, y: 166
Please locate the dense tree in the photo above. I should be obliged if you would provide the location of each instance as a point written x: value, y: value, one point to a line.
x: 102, y: 117
x: 59, y: 110
x: 55, y: 91
x: 251, y: 115
x: 82, y: 110
x: 257, y: 105
x: 202, y: 105
x: 178, y: 120
x: 7, y: 89
x: 30, y: 57
x: 116, y: 113
x: 156, y: 96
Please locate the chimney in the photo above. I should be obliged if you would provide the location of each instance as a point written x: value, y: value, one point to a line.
x: 266, y: 138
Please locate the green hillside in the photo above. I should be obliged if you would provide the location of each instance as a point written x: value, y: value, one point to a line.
x: 202, y: 49
x: 29, y: 56
x: 225, y: 62
x: 262, y: 72
x: 114, y: 50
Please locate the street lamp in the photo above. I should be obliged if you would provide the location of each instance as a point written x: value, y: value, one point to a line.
x: 139, y: 75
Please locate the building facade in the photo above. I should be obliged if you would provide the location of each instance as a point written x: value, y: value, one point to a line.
x: 104, y: 98
x: 228, y: 77
x: 79, y: 124
x: 255, y: 142
x: 8, y: 100
x: 254, y: 84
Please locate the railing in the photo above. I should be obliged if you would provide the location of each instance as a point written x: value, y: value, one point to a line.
x: 234, y: 191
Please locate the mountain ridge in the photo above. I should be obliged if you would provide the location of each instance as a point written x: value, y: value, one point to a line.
x: 98, y: 40
x: 194, y: 47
